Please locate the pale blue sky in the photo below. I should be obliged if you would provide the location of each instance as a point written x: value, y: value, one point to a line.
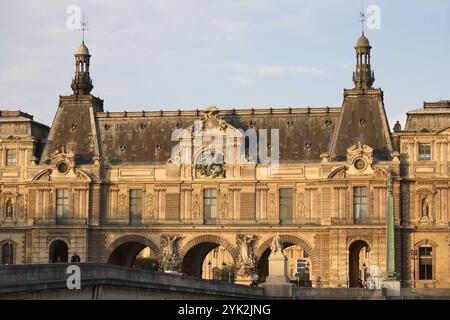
x: 174, y: 54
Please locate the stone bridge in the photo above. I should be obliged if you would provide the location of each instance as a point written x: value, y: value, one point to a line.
x: 101, y: 281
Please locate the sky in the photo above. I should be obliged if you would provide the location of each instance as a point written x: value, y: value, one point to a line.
x: 189, y: 54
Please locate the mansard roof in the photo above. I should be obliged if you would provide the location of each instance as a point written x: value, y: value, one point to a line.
x: 145, y: 137
x: 434, y: 116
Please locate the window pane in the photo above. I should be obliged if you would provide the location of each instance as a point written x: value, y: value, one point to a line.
x: 62, y: 205
x: 11, y: 157
x: 359, y: 204
x: 424, y: 151
x: 285, y: 200
x: 425, y: 263
x: 135, y: 206
x: 210, y: 204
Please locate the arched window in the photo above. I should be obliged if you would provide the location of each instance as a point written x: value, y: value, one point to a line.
x: 7, y: 253
x: 426, y: 262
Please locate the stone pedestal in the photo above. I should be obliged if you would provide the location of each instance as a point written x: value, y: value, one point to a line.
x: 243, y: 280
x: 392, y: 287
x: 277, y: 282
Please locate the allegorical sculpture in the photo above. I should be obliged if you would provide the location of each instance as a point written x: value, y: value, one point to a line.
x: 8, y: 209
x: 424, y: 208
x: 247, y: 260
x: 276, y: 247
x: 170, y: 259
x: 210, y: 164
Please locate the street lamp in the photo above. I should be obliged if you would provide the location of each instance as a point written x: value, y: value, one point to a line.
x: 209, y: 268
x: 414, y: 254
x: 224, y: 265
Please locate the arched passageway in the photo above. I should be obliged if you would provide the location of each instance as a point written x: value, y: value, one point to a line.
x: 358, y: 254
x: 134, y: 255
x: 58, y: 252
x: 293, y: 254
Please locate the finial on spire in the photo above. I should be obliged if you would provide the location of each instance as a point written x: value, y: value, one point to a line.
x: 83, y: 27
x: 362, y: 18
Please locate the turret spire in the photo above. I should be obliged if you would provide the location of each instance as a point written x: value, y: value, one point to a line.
x: 363, y: 77
x: 82, y: 83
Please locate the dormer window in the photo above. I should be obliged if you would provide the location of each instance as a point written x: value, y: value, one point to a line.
x: 11, y: 157
x: 424, y: 151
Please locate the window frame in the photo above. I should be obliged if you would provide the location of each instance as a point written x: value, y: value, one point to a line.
x: 431, y: 266
x: 286, y: 202
x: 209, y: 203
x: 7, y: 157
x: 135, y: 205
x: 357, y: 202
x: 424, y: 156
x: 63, y: 203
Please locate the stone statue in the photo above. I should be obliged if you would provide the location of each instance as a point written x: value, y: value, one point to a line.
x: 276, y: 247
x: 8, y: 209
x: 247, y: 260
x: 424, y: 208
x: 170, y: 259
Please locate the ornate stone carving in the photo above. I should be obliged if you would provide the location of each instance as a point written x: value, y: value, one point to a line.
x: 196, y: 205
x: 272, y: 206
x: 210, y: 164
x: 300, y: 204
x: 246, y: 263
x: 149, y: 205
x: 170, y: 258
x: 224, y: 205
x: 62, y: 155
x: 359, y: 150
x: 123, y: 204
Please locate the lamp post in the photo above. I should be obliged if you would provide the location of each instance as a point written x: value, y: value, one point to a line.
x: 414, y: 254
x: 224, y: 266
x: 209, y: 268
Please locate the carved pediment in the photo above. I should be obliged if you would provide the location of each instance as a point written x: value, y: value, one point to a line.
x: 338, y: 173
x: 54, y: 175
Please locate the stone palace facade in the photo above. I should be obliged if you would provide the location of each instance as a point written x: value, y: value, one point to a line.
x: 107, y: 185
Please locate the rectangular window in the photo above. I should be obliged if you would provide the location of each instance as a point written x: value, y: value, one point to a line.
x: 424, y: 151
x: 285, y: 200
x: 426, y: 263
x: 11, y: 159
x: 62, y: 206
x: 359, y: 205
x: 135, y: 206
x: 210, y: 205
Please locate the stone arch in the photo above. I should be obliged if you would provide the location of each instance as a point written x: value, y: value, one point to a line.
x: 287, y: 238
x: 263, y: 252
x: 13, y: 253
x: 58, y: 247
x: 425, y: 242
x: 213, y: 239
x: 132, y: 238
x: 367, y: 240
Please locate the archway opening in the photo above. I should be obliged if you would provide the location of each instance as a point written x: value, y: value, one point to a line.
x: 134, y: 255
x: 298, y: 264
x: 357, y: 263
x: 209, y: 260
x: 58, y: 252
